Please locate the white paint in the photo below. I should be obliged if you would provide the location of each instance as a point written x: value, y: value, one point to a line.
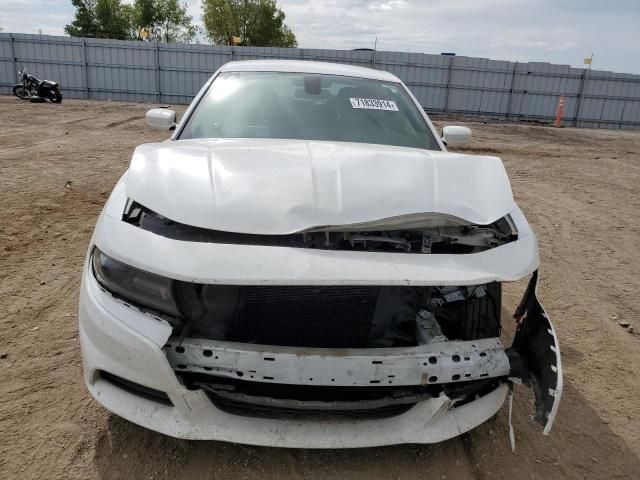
x: 260, y: 265
x: 161, y: 118
x: 512, y: 435
x: 279, y: 187
x: 299, y: 66
x: 267, y: 186
x: 456, y: 136
x: 109, y: 344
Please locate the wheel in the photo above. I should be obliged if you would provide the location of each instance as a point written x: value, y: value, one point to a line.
x: 54, y: 96
x: 22, y: 92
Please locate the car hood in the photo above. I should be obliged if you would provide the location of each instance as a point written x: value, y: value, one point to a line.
x: 285, y: 186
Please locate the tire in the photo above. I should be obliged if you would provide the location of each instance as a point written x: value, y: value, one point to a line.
x: 21, y: 92
x: 55, y: 96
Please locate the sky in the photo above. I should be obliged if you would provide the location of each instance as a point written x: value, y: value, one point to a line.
x: 556, y: 31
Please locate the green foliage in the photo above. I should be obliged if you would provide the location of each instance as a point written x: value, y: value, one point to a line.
x: 258, y: 23
x: 165, y: 20
x: 114, y: 19
x: 173, y: 22
x: 101, y: 19
x: 145, y: 13
x: 84, y: 24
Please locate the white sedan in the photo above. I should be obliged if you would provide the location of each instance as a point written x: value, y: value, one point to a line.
x: 303, y: 264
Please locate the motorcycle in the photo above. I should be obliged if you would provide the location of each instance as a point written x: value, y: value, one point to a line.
x: 35, y: 89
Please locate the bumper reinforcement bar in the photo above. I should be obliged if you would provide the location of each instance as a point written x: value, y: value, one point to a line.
x: 434, y: 363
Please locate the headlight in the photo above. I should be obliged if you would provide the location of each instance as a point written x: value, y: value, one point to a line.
x: 141, y: 288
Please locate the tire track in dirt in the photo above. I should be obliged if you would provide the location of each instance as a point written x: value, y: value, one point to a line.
x: 122, y: 122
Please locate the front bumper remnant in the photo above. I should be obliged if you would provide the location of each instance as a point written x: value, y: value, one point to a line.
x: 434, y: 363
x: 537, y: 344
x: 137, y: 369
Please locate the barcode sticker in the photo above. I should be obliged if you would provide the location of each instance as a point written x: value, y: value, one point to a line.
x: 374, y: 104
x: 426, y: 242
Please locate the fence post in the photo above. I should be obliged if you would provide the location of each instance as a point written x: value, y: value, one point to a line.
x: 446, y: 93
x: 559, y: 111
x: 621, y: 124
x: 583, y: 79
x: 13, y: 55
x: 85, y: 67
x: 157, y: 54
x: 510, y: 93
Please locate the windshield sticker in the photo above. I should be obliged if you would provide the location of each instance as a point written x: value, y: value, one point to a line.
x: 374, y: 104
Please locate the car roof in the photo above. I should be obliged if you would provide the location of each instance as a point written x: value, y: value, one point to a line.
x: 301, y: 66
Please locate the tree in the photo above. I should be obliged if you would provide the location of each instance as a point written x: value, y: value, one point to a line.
x: 85, y: 23
x: 145, y: 14
x: 173, y: 22
x: 114, y: 20
x: 258, y: 23
x: 101, y: 19
x: 164, y: 20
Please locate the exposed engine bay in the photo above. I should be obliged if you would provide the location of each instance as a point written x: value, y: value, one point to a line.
x: 435, y: 235
x: 339, y: 316
x: 283, y: 350
x: 329, y: 318
x: 361, y: 351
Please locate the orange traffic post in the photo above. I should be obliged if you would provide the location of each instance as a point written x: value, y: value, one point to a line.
x: 559, y: 111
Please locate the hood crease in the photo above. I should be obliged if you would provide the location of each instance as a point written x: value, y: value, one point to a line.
x: 284, y: 186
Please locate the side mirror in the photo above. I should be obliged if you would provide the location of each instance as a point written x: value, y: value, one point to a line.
x: 455, y: 136
x: 161, y: 118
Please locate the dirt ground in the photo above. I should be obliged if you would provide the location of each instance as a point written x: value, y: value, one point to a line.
x: 578, y: 188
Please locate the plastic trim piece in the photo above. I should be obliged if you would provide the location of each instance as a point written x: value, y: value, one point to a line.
x: 536, y: 341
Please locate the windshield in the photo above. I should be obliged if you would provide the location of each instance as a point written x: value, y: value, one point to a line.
x: 309, y: 107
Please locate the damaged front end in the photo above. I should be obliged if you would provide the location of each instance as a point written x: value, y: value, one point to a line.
x: 421, y: 233
x: 312, y: 291
x: 357, y: 351
x: 309, y: 304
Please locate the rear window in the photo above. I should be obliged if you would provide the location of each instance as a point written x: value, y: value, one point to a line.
x: 309, y: 107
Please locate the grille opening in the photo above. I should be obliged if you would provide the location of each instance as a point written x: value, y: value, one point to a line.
x: 136, y: 389
x: 338, y: 316
x: 241, y: 408
x: 274, y: 400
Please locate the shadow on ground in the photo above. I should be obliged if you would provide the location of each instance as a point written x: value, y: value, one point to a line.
x: 575, y: 449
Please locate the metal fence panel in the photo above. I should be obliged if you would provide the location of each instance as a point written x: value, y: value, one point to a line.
x: 121, y: 70
x: 173, y: 73
x: 7, y: 67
